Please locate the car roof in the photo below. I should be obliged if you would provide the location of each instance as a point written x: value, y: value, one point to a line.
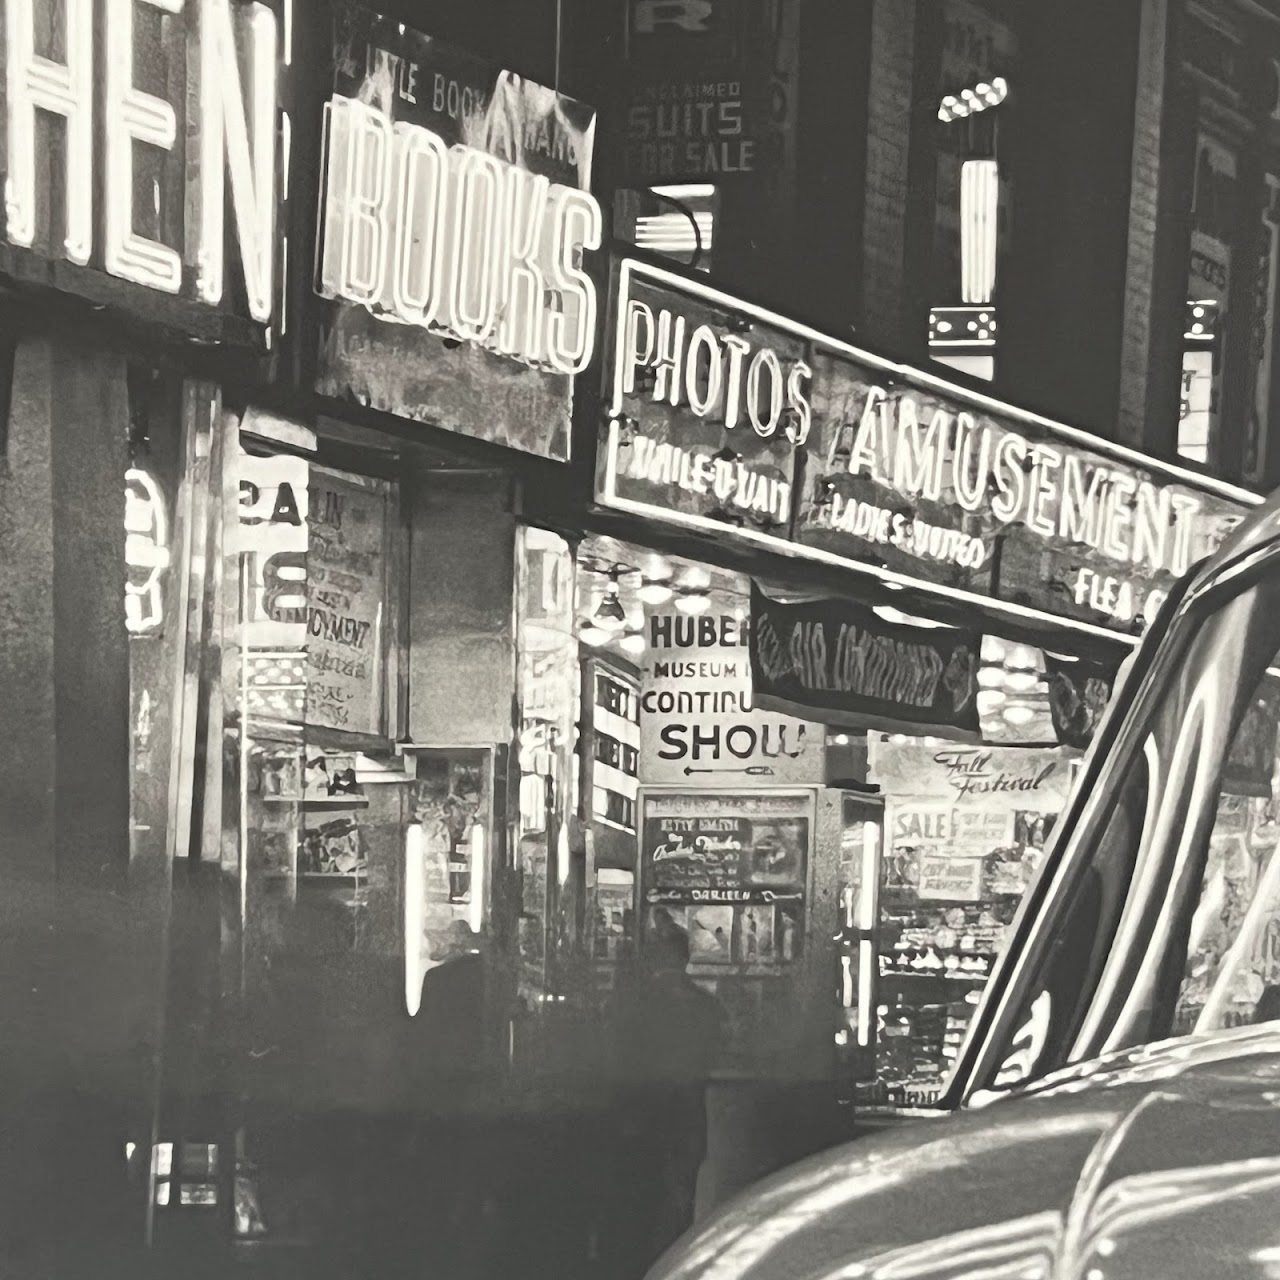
x: 1257, y: 528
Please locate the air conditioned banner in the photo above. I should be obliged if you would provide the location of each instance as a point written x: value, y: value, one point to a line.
x: 740, y: 423
x: 455, y: 216
x: 838, y: 662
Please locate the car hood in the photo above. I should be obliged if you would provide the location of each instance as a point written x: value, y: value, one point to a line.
x: 1163, y: 1162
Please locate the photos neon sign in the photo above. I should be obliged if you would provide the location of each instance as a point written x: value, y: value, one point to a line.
x: 236, y: 139
x: 455, y: 240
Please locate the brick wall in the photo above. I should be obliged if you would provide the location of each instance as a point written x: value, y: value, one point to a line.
x: 1139, y: 298
x: 888, y: 138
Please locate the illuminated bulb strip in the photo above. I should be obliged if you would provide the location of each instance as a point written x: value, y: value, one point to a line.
x: 243, y: 147
x: 132, y: 115
x: 35, y: 83
x: 979, y: 203
x: 969, y: 102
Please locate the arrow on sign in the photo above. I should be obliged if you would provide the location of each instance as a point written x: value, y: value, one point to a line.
x: 755, y: 770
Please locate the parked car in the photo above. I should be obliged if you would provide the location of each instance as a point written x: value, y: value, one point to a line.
x: 1119, y: 1086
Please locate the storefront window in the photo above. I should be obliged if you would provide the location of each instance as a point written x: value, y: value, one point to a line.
x: 1209, y: 297
x: 966, y: 827
x: 548, y: 852
x: 705, y: 824
x: 842, y: 892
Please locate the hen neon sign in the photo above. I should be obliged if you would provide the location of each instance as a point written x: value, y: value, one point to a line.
x: 234, y: 137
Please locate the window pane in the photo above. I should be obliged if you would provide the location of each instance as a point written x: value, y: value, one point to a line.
x: 1232, y: 972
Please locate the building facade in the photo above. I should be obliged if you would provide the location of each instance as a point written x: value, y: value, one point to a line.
x: 1072, y: 205
x: 550, y: 528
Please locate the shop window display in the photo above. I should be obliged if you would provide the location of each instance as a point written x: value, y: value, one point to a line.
x: 322, y: 833
x: 843, y: 888
x: 703, y: 814
x: 966, y: 827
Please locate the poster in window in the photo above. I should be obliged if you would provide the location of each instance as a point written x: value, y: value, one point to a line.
x: 701, y: 848
x: 346, y: 601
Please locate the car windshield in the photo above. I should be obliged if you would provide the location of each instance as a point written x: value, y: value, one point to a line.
x: 1231, y: 960
x: 1163, y: 918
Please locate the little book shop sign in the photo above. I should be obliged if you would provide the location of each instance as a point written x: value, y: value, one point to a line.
x: 141, y: 144
x: 456, y: 215
x: 725, y: 417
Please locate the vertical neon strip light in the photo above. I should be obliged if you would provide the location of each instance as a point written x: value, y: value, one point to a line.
x: 868, y: 896
x: 414, y: 889
x: 476, y: 912
x: 979, y: 204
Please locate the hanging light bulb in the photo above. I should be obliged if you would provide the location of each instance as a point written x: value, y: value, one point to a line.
x: 694, y: 602
x: 632, y: 642
x: 589, y: 633
x: 654, y: 592
x: 610, y: 614
x: 1021, y: 681
x: 1018, y: 713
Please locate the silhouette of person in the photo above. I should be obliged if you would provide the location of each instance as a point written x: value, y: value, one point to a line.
x: 669, y: 1034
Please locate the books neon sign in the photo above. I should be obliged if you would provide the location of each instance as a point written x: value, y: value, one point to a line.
x: 455, y: 240
x: 236, y: 138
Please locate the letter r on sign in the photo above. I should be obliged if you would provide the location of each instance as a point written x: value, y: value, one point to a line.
x: 685, y: 15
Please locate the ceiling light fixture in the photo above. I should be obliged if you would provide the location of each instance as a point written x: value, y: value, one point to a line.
x: 1018, y: 714
x: 654, y: 592
x: 609, y: 612
x: 694, y: 602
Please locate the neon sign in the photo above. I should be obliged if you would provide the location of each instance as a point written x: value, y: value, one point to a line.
x: 718, y: 375
x: 455, y: 240
x: 884, y: 469
x: 233, y: 136
x: 146, y: 552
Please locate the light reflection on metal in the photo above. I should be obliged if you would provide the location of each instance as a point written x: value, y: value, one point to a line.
x: 1028, y: 1042
x: 763, y: 1224
x: 146, y: 552
x: 1146, y: 867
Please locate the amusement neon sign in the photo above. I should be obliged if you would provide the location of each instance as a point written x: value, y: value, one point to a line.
x: 455, y: 240
x: 235, y: 131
